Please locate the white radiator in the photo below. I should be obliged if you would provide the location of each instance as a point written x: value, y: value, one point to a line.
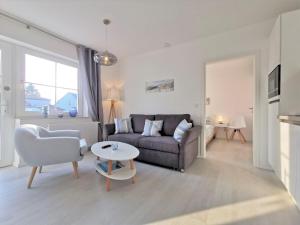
x: 88, y: 129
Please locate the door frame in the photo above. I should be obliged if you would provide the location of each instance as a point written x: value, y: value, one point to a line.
x: 7, y: 155
x: 256, y: 140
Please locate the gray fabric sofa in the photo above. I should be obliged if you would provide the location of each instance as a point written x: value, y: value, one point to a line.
x: 165, y: 150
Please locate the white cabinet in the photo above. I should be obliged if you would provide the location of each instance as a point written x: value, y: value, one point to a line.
x: 274, y: 137
x: 290, y: 158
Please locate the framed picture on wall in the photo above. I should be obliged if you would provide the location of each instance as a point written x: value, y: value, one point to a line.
x: 160, y: 86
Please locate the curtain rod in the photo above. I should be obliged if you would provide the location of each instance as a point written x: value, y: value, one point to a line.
x: 30, y: 25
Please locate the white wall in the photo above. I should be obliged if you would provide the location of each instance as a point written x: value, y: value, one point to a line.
x: 186, y: 64
x: 290, y: 64
x: 230, y: 89
x: 110, y: 78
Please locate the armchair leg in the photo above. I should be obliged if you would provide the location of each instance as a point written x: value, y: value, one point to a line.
x: 40, y: 169
x: 75, y: 168
x: 33, y: 171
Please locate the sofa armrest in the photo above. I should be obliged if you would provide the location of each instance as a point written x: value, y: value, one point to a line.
x: 191, y: 135
x: 189, y: 147
x: 109, y: 129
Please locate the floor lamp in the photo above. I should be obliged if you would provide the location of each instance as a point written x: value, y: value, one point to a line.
x: 112, y: 96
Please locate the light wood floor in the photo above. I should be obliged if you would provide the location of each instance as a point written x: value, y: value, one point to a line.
x: 222, y: 189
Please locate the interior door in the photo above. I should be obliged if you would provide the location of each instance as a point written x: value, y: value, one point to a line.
x: 6, y: 116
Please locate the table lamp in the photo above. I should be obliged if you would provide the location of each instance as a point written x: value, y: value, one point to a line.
x: 220, y: 119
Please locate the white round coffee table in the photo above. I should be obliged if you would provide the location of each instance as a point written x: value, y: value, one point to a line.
x: 125, y: 154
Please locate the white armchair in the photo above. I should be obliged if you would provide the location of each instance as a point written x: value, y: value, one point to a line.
x: 39, y: 147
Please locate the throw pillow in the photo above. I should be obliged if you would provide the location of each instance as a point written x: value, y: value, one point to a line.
x: 152, y: 128
x: 123, y: 125
x: 180, y: 130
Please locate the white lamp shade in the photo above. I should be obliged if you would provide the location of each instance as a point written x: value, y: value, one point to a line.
x: 113, y: 94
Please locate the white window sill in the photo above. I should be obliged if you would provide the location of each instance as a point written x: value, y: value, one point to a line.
x: 52, y: 118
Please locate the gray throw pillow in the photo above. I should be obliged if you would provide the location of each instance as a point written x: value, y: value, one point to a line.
x: 152, y: 128
x: 123, y: 126
x: 180, y: 130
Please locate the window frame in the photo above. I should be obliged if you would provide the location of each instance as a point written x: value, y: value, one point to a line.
x: 20, y: 59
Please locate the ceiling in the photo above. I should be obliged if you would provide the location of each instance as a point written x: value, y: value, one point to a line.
x: 143, y: 25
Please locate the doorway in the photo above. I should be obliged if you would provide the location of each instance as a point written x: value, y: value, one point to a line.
x: 229, y: 105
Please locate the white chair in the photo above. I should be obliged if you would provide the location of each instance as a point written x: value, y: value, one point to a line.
x: 39, y: 147
x: 237, y: 124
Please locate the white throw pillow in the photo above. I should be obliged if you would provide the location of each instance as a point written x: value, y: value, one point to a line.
x: 123, y: 126
x: 152, y: 128
x: 180, y: 130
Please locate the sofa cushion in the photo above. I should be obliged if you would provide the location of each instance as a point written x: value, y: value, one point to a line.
x: 171, y: 122
x: 138, y: 122
x: 152, y: 128
x: 163, y: 143
x: 181, y: 129
x: 123, y: 126
x: 132, y: 139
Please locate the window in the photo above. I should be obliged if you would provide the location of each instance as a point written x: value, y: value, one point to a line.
x: 49, y: 83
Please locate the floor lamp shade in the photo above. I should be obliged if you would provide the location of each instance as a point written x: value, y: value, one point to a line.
x: 113, y: 95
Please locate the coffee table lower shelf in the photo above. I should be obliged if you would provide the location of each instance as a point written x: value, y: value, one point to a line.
x: 124, y: 173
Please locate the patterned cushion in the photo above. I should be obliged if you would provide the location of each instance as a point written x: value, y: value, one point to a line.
x: 138, y: 122
x: 171, y: 121
x: 123, y: 126
x: 182, y: 127
x: 152, y: 128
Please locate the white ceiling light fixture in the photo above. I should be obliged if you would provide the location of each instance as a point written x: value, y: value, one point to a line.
x: 106, y: 58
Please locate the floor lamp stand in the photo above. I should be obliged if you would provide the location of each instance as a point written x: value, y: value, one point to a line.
x: 112, y: 111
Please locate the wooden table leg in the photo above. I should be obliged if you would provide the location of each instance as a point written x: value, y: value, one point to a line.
x: 132, y: 166
x: 232, y: 134
x: 226, y: 132
x: 242, y: 137
x: 109, y: 169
